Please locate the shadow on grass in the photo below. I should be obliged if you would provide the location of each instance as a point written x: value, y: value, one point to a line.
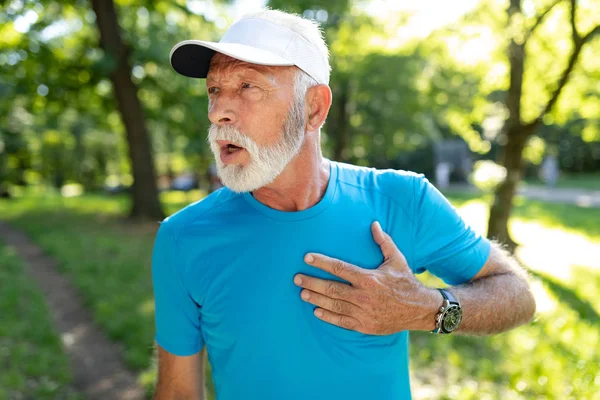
x: 567, y: 296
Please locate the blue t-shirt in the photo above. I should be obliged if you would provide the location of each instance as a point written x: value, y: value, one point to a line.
x: 223, y: 272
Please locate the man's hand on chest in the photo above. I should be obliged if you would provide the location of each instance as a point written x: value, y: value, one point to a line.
x: 382, y: 301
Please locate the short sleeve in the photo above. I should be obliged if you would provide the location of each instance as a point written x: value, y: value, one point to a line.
x: 443, y: 243
x: 177, y: 315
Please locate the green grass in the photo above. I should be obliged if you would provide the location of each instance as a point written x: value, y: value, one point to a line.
x: 556, y: 357
x: 32, y: 362
x: 590, y: 181
x: 107, y: 259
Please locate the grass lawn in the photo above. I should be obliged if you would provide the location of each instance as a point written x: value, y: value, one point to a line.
x: 589, y: 181
x: 107, y: 260
x: 556, y: 357
x: 32, y: 362
x: 569, y: 218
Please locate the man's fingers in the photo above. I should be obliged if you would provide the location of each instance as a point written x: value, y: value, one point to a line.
x: 335, y: 305
x: 331, y: 289
x: 385, y: 242
x: 344, y: 270
x: 342, y: 321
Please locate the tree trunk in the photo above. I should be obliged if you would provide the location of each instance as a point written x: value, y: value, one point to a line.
x: 145, y: 202
x: 512, y: 152
x: 512, y: 160
x: 516, y: 131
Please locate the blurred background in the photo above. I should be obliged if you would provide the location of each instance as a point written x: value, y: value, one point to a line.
x: 496, y: 101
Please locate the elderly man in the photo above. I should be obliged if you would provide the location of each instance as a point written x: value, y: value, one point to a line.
x: 298, y: 275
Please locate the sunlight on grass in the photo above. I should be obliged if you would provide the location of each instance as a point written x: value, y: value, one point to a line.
x: 544, y: 302
x: 553, y: 250
x: 549, y: 249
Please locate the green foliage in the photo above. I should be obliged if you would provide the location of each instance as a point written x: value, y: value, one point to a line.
x: 33, y: 363
x: 58, y: 80
x: 394, y: 93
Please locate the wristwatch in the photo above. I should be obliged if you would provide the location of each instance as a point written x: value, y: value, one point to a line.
x: 450, y: 314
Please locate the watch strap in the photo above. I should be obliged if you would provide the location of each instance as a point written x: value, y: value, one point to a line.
x: 449, y: 296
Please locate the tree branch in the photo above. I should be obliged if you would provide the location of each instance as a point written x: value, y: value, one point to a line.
x: 539, y: 20
x: 590, y: 34
x: 577, y: 46
x: 574, y: 32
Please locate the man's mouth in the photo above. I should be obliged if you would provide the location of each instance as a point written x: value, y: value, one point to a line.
x: 232, y: 148
x: 230, y: 152
x: 229, y: 147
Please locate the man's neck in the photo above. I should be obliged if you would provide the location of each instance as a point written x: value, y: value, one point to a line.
x: 301, y: 185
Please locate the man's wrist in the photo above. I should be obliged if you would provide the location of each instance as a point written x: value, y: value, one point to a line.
x: 433, y: 300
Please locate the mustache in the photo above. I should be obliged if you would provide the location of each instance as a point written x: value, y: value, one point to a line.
x: 231, y: 134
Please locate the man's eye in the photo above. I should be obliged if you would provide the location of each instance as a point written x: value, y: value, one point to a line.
x: 246, y: 85
x: 212, y: 90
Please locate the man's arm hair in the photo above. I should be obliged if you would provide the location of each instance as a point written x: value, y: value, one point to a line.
x: 498, y: 298
x: 180, y: 377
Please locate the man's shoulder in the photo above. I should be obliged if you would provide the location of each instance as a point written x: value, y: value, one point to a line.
x: 201, y: 209
x: 400, y: 185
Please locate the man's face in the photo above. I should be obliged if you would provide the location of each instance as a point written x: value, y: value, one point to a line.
x: 257, y: 126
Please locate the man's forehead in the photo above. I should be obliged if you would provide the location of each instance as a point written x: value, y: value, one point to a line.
x: 223, y: 63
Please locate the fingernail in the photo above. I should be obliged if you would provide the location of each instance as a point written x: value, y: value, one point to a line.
x: 305, y: 295
x: 379, y: 225
x: 318, y: 313
x: 309, y: 258
x: 297, y: 280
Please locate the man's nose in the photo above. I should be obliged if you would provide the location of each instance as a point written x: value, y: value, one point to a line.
x: 221, y: 111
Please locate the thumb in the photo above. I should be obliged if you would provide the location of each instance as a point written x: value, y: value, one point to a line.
x: 385, y: 242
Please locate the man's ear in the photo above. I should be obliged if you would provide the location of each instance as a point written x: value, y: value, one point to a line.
x: 318, y: 102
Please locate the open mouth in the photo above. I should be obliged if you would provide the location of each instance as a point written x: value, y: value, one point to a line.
x: 232, y: 148
x: 229, y: 147
x: 230, y: 152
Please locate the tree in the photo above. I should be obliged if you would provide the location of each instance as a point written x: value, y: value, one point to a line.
x: 145, y: 202
x: 516, y: 130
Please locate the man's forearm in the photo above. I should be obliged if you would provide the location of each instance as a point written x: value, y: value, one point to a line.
x: 494, y: 304
x: 491, y: 304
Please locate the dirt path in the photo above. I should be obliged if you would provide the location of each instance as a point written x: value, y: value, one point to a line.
x: 95, y: 362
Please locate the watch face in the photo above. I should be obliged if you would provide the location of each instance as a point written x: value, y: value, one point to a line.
x: 452, y: 318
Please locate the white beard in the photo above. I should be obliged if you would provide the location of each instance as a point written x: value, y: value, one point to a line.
x: 266, y: 162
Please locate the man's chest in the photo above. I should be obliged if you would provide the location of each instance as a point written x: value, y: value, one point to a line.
x: 248, y: 298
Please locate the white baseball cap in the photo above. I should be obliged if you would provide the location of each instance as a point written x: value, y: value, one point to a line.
x: 255, y: 41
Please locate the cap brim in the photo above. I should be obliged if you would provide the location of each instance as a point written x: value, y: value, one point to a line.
x: 192, y: 57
